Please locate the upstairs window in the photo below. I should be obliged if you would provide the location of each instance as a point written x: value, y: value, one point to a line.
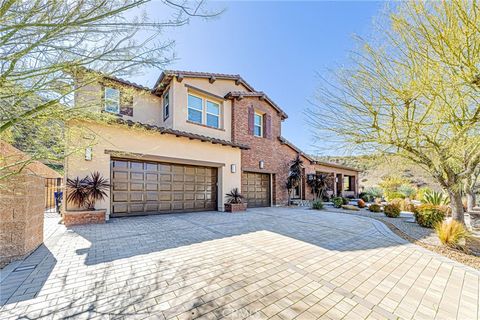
x: 203, y: 111
x: 258, y: 125
x: 213, y: 114
x: 112, y: 100
x: 166, y: 106
x: 195, y: 109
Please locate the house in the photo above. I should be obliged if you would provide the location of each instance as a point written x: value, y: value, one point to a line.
x: 184, y: 144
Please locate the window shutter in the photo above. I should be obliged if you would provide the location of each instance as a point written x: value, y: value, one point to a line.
x: 251, y: 119
x: 267, y: 126
x: 126, y: 104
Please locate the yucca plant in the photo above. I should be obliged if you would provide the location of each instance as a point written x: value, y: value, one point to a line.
x: 436, y: 198
x: 451, y: 233
x: 234, y: 196
x: 85, y: 192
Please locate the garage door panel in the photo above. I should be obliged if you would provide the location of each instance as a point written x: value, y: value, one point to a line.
x: 256, y: 189
x: 148, y: 187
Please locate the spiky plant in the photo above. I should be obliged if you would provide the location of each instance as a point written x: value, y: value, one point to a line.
x: 234, y: 196
x: 450, y: 233
x: 96, y: 189
x: 77, y: 191
x: 436, y: 198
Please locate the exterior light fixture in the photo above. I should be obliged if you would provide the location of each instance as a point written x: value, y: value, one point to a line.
x: 233, y: 168
x: 261, y: 164
x: 88, y: 153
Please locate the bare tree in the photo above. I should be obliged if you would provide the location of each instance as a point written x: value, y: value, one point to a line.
x: 416, y: 93
x: 45, y: 43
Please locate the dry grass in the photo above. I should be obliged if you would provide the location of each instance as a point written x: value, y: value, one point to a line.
x: 451, y: 233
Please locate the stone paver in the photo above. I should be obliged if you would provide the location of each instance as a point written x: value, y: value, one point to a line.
x: 273, y: 263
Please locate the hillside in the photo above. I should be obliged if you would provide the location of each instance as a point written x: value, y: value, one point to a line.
x: 375, y: 167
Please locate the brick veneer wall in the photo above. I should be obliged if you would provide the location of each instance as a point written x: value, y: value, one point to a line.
x: 276, y: 155
x: 71, y: 218
x: 22, y: 205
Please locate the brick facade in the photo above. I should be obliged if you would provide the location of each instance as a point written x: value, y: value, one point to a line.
x: 22, y: 204
x: 71, y: 218
x: 275, y: 154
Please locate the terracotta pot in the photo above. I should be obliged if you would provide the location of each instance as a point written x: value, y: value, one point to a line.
x: 235, y: 207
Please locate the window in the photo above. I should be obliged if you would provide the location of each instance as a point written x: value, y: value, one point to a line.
x: 203, y: 111
x: 346, y: 183
x: 195, y: 109
x: 166, y: 106
x: 112, y: 100
x: 258, y: 125
x: 213, y: 114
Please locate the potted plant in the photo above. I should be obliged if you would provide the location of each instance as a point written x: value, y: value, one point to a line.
x: 84, y: 193
x: 235, y: 201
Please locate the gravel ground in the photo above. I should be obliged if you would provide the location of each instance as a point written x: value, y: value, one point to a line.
x: 405, y: 227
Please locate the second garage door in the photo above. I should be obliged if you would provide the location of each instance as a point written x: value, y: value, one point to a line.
x: 142, y: 187
x: 256, y: 189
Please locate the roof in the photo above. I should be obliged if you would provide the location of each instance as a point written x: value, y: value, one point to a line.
x: 168, y: 75
x: 128, y: 83
x: 328, y: 164
x: 11, y: 156
x: 260, y: 94
x: 179, y: 133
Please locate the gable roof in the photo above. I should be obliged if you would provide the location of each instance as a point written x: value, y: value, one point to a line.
x: 295, y: 148
x: 259, y: 94
x: 168, y: 75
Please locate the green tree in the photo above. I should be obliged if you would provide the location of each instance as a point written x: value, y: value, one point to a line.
x: 45, y: 43
x: 413, y: 92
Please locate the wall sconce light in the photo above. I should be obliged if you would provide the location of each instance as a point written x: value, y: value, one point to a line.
x: 233, y: 168
x: 261, y: 164
x: 88, y: 153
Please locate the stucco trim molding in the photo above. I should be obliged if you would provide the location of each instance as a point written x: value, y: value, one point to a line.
x: 145, y: 157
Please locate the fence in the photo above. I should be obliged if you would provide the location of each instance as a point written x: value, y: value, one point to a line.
x: 53, y: 188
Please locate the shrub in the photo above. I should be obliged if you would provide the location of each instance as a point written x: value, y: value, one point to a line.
x: 428, y: 215
x: 450, y: 233
x: 85, y: 192
x: 407, y: 190
x: 345, y: 201
x: 337, y: 202
x: 366, y: 197
x: 391, y: 210
x: 435, y: 198
x: 397, y: 201
x: 317, y: 205
x: 374, y: 192
x: 392, y: 183
x: 390, y: 195
x: 375, y: 208
x: 421, y: 192
x: 349, y: 207
x: 361, y: 203
x: 403, y: 204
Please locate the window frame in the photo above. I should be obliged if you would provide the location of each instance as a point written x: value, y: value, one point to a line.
x: 105, y: 99
x: 204, y: 110
x: 260, y: 125
x: 166, y: 107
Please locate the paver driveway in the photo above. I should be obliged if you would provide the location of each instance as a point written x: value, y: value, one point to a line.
x: 274, y: 263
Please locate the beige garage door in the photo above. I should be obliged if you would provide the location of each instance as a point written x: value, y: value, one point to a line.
x: 256, y: 189
x: 141, y: 187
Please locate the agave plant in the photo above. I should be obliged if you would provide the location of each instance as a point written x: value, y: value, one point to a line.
x: 85, y: 192
x: 234, y: 196
x: 435, y: 198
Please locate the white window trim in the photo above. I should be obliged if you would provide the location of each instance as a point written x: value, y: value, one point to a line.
x: 205, y: 112
x: 255, y: 125
x: 105, y: 99
x: 166, y: 106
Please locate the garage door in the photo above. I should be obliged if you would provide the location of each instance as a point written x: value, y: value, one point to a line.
x: 140, y: 187
x: 256, y: 189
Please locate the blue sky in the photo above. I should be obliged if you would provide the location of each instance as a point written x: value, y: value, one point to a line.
x: 278, y: 47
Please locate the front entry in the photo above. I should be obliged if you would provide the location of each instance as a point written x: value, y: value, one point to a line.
x: 145, y: 187
x: 256, y: 189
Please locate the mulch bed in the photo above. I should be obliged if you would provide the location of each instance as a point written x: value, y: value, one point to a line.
x: 472, y: 246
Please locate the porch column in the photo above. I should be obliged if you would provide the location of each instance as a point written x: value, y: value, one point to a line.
x: 334, y: 184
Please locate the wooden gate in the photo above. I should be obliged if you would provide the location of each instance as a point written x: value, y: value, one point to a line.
x: 53, y: 189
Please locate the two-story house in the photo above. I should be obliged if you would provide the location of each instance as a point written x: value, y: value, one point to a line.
x: 184, y: 144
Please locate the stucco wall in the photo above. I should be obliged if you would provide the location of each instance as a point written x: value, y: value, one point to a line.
x: 130, y: 140
x: 218, y: 88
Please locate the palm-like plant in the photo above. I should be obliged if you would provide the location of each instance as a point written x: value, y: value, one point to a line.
x: 295, y: 175
x: 234, y: 196
x: 85, y: 192
x: 319, y: 185
x: 435, y: 198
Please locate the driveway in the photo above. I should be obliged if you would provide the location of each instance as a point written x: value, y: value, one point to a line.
x: 276, y: 263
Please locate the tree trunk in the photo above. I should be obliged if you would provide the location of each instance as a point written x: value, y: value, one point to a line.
x: 471, y: 199
x: 457, y: 206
